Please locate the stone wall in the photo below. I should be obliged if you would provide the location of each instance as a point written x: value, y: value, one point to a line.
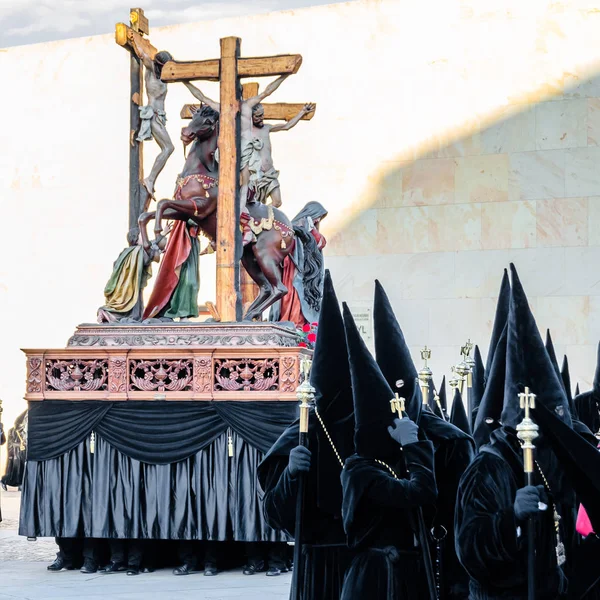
x: 451, y: 137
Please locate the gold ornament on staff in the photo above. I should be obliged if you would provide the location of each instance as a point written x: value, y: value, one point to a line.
x: 455, y: 380
x: 305, y: 393
x: 470, y: 361
x: 527, y: 430
x: 436, y: 399
x: 398, y: 404
x: 425, y: 375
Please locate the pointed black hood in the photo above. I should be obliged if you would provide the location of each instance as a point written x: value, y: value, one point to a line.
x: 458, y: 416
x: 552, y: 354
x: 330, y: 372
x: 372, y: 396
x: 566, y: 379
x: 442, y: 394
x: 478, y: 381
x: 528, y: 363
x: 577, y: 392
x: 393, y: 355
x: 490, y: 409
x: 500, y: 320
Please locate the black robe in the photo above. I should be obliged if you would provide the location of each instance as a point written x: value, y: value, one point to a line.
x: 454, y: 450
x: 490, y: 544
x: 324, y: 550
x: 379, y: 519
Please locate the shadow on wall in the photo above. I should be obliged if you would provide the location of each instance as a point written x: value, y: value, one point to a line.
x: 438, y: 227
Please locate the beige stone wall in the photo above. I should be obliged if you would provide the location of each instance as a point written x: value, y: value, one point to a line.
x: 451, y: 137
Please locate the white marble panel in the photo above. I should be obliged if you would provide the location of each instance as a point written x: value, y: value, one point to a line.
x: 561, y: 124
x: 593, y: 122
x: 562, y: 222
x: 582, y: 269
x: 454, y: 227
x: 482, y: 178
x: 582, y: 173
x: 425, y: 275
x: 541, y: 270
x: 479, y: 273
x: 582, y: 361
x: 402, y: 230
x: 356, y: 238
x: 539, y: 174
x: 508, y: 225
x: 594, y: 221
x: 566, y: 316
x: 453, y: 321
x: 515, y: 132
x: 428, y: 181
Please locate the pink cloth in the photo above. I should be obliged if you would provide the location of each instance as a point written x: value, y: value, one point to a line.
x: 584, y: 525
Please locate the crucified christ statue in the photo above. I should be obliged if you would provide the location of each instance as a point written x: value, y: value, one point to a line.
x: 259, y: 179
x: 153, y: 115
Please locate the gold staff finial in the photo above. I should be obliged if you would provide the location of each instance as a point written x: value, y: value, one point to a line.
x: 527, y: 430
x: 398, y: 404
x: 305, y: 393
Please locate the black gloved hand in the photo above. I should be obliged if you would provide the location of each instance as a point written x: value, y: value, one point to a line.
x: 299, y: 460
x: 404, y: 431
x: 527, y: 502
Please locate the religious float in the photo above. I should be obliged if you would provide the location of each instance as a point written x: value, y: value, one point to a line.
x: 150, y: 424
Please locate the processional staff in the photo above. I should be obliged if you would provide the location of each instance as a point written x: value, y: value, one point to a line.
x: 527, y: 431
x: 398, y: 404
x: 425, y: 375
x: 306, y: 395
x: 465, y: 372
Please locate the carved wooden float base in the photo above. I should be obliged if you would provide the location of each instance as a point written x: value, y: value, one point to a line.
x: 171, y: 361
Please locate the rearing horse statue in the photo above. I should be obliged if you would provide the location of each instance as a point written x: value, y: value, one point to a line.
x: 195, y: 200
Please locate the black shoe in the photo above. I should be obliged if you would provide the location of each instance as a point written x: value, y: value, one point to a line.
x: 113, y: 567
x: 133, y: 570
x: 89, y: 566
x: 252, y: 569
x: 60, y: 564
x: 184, y: 569
x: 210, y: 570
x: 147, y: 570
x: 274, y: 572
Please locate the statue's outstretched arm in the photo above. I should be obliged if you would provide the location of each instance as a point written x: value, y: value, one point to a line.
x: 252, y: 102
x: 139, y: 50
x: 200, y: 96
x: 293, y: 122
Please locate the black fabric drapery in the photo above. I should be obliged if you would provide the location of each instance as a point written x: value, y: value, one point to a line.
x: 157, y: 432
x: 107, y: 494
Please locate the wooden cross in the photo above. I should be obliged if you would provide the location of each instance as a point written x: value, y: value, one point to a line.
x: 138, y: 27
x: 228, y: 70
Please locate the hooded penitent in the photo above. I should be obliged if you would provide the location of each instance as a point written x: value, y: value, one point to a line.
x: 587, y: 404
x: 478, y: 379
x: 393, y: 356
x: 490, y: 409
x: 325, y: 555
x: 485, y: 520
x: 500, y: 320
x: 528, y: 363
x: 372, y: 395
x: 458, y: 416
x: 453, y: 448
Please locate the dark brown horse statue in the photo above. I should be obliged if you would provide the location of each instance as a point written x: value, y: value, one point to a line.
x: 195, y: 200
x: 195, y: 197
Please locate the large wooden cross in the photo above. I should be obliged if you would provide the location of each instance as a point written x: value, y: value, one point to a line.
x: 228, y: 70
x: 138, y: 27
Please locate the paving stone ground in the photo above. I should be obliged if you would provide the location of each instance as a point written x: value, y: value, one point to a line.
x: 23, y: 575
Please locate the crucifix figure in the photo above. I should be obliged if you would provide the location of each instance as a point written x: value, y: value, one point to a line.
x: 259, y: 178
x: 148, y: 121
x: 228, y: 70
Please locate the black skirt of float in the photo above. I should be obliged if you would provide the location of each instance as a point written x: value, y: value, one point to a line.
x: 159, y: 470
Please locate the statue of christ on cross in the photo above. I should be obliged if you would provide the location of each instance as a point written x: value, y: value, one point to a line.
x: 259, y: 178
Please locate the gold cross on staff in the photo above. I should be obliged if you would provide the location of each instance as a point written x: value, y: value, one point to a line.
x: 280, y: 111
x: 228, y: 69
